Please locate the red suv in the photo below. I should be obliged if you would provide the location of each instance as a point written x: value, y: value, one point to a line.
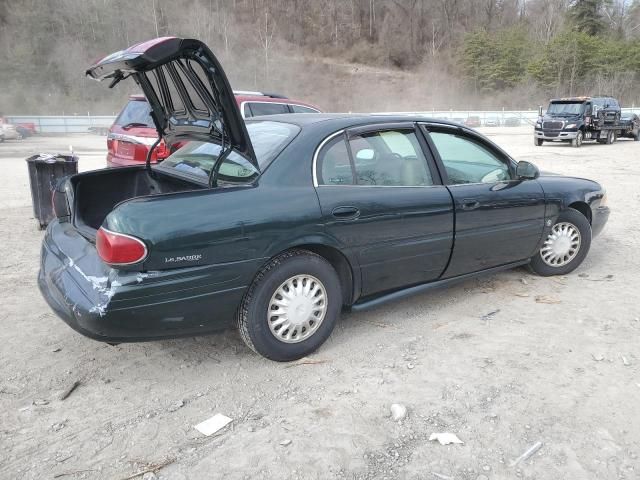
x: 133, y: 132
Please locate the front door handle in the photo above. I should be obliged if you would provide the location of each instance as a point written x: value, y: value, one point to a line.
x: 345, y: 213
x: 470, y: 204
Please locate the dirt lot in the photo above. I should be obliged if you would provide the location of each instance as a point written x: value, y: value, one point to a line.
x: 484, y: 360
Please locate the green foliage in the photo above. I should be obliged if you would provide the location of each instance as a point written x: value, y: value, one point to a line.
x: 588, y: 15
x: 569, y: 63
x: 569, y: 56
x: 495, y: 61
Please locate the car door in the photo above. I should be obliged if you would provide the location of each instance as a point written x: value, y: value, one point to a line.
x: 382, y: 199
x: 498, y: 218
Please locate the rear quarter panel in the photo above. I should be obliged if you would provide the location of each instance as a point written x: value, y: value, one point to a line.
x: 244, y: 225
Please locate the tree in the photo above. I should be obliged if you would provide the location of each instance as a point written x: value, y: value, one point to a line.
x: 588, y: 15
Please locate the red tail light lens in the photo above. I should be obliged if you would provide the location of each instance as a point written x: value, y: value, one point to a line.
x: 161, y: 151
x: 118, y: 248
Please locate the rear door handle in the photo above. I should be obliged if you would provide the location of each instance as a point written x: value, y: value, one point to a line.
x: 345, y: 213
x: 470, y: 204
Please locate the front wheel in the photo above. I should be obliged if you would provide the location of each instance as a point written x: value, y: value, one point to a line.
x: 577, y: 142
x: 291, y: 307
x: 538, y: 142
x: 565, y: 247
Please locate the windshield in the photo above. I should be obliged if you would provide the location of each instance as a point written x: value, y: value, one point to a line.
x: 565, y: 108
x: 196, y: 159
x: 135, y: 114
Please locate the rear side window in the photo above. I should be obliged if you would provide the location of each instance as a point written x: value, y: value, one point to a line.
x: 267, y: 108
x: 383, y: 158
x: 389, y: 158
x: 137, y: 113
x: 335, y: 166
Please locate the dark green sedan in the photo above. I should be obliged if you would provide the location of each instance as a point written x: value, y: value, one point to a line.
x: 278, y: 224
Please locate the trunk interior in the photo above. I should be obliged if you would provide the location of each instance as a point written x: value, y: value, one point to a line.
x: 97, y: 193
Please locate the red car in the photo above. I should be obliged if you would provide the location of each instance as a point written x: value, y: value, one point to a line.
x: 133, y: 132
x: 473, y: 122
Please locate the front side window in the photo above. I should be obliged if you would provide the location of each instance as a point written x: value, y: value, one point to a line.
x: 468, y: 161
x: 196, y: 159
x: 382, y: 158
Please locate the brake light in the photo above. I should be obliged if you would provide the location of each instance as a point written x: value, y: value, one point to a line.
x: 118, y: 248
x: 161, y: 151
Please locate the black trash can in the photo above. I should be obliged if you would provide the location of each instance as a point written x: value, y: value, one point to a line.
x: 45, y: 172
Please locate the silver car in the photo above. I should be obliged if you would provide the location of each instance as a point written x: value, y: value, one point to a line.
x: 9, y: 132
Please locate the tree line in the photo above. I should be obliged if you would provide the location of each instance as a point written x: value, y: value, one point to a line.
x: 369, y: 55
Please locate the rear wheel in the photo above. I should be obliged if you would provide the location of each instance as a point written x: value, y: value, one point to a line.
x: 291, y: 307
x: 565, y: 247
x: 538, y: 141
x: 577, y: 142
x: 611, y: 137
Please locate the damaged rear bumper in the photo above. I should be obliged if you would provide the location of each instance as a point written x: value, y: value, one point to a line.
x: 116, y: 306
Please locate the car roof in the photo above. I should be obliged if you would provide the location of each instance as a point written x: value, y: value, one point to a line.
x: 348, y: 119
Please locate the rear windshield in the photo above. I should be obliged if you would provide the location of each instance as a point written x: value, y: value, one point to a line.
x: 565, y: 108
x: 196, y: 159
x: 135, y: 114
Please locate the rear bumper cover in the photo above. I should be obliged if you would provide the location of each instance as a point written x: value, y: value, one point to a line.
x: 114, y: 306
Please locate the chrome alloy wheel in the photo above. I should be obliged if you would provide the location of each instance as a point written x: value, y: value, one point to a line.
x: 297, y: 308
x: 562, y: 245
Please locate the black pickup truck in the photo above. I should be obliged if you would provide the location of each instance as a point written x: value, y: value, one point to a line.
x: 577, y: 119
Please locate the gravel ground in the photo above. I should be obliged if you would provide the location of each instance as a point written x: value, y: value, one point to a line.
x: 503, y: 362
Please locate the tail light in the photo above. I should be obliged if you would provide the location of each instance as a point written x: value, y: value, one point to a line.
x: 141, y: 150
x: 118, y: 248
x: 161, y: 152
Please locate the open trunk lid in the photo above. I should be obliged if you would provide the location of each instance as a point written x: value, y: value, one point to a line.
x: 187, y: 89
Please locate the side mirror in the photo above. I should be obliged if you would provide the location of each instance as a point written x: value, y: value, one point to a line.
x: 527, y: 171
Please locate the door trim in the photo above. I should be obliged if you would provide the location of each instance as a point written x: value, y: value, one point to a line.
x: 424, y: 287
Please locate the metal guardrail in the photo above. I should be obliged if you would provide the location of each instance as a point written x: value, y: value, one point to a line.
x: 65, y: 123
x: 99, y: 124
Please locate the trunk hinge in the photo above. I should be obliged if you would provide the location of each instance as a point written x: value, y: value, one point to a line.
x: 150, y: 152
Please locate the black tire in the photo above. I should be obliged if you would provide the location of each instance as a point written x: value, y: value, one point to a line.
x: 611, y: 137
x: 581, y: 223
x: 636, y: 135
x: 577, y: 142
x: 252, y: 318
x: 538, y: 141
